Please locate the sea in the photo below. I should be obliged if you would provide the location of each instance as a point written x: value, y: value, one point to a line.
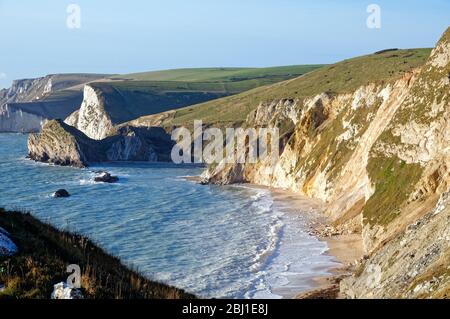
x: 231, y: 241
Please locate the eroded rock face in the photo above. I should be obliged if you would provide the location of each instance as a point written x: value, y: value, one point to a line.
x: 412, y: 265
x: 316, y: 174
x: 72, y: 119
x: 62, y: 144
x: 24, y: 107
x: 27, y: 90
x: 92, y: 118
x: 16, y: 120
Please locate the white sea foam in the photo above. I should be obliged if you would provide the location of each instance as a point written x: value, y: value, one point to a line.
x: 291, y: 258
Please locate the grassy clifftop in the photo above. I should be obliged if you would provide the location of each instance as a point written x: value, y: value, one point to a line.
x: 133, y: 95
x: 45, y: 252
x: 221, y: 74
x: 341, y: 77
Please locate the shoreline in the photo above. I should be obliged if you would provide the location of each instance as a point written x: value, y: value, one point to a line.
x: 344, y: 248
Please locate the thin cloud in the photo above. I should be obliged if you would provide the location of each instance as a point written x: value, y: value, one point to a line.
x: 3, y: 75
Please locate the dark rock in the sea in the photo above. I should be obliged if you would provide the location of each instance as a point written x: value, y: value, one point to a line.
x: 105, y: 177
x: 62, y: 144
x: 61, y: 193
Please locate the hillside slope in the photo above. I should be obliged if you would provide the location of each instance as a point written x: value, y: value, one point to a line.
x: 264, y: 75
x: 44, y: 254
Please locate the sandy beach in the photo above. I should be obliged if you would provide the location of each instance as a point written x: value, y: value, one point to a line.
x: 345, y: 248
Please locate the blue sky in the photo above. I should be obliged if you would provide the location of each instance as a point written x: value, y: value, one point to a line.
x: 132, y: 36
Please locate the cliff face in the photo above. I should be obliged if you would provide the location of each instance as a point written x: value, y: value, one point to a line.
x: 62, y: 144
x: 379, y: 158
x: 413, y: 264
x: 28, y: 103
x: 415, y: 232
x: 92, y: 118
x: 27, y: 90
x: 16, y: 120
x: 326, y: 141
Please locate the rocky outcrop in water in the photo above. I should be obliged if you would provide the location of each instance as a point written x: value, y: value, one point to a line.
x: 62, y: 144
x: 105, y: 177
x: 61, y: 193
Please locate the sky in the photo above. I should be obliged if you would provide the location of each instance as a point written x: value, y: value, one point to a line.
x: 135, y: 36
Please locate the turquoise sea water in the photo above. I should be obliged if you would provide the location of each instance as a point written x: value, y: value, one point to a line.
x: 214, y: 241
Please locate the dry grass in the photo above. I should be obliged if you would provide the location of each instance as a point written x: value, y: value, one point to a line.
x: 44, y: 254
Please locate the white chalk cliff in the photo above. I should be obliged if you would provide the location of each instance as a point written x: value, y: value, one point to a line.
x: 92, y: 118
x: 14, y: 119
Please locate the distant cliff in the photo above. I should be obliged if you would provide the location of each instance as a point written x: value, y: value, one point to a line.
x: 117, y: 99
x: 28, y: 103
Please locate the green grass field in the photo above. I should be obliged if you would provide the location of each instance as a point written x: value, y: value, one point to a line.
x: 221, y: 74
x: 344, y: 76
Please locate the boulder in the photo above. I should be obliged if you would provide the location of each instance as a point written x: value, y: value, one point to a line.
x: 7, y: 246
x: 105, y: 177
x: 63, y: 291
x: 60, y: 193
